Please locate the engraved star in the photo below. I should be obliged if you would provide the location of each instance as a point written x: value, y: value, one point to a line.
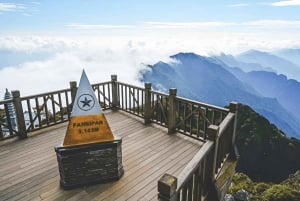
x: 86, y: 102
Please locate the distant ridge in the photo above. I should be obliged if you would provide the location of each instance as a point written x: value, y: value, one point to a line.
x: 268, y: 60
x: 208, y: 79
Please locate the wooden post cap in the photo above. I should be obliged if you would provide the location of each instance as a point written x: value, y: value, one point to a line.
x: 167, y: 185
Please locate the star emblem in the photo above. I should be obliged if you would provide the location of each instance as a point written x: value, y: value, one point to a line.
x: 86, y: 102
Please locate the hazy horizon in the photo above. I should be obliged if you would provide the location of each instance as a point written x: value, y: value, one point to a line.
x: 46, y: 44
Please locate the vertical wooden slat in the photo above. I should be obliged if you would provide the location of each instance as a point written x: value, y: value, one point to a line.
x: 191, y: 120
x: 109, y: 94
x: 104, y: 96
x: 190, y: 188
x: 38, y: 111
x: 114, y: 92
x: 130, y: 98
x: 61, y: 112
x: 172, y: 111
x: 201, y: 172
x: 126, y: 98
x: 46, y: 109
x: 122, y: 96
x: 19, y: 114
x: 73, y: 88
x: 137, y: 109
x: 196, y: 184
x: 30, y: 115
x: 184, y: 193
x: 69, y: 106
x: 53, y: 108
x: 147, y: 107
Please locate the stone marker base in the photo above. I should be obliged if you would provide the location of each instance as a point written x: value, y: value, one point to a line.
x: 88, y: 164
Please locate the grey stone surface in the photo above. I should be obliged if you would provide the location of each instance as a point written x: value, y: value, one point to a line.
x: 242, y: 195
x: 228, y: 197
x: 87, y: 164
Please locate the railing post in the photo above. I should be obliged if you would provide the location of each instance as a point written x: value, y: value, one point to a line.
x: 233, y: 107
x: 73, y: 87
x: 114, y: 88
x: 147, y: 106
x: 210, y: 166
x: 167, y: 186
x: 212, y: 134
x: 172, y: 111
x: 22, y: 133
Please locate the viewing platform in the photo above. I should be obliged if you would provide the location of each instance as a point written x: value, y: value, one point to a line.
x: 172, y: 148
x: 29, y: 167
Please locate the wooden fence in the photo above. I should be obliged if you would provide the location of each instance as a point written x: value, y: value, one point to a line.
x: 215, y: 126
x: 208, y: 175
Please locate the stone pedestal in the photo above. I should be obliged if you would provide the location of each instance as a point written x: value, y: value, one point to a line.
x: 88, y: 164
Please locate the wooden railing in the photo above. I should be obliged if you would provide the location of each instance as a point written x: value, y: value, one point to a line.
x: 208, y: 175
x: 215, y: 126
x: 175, y: 113
x: 47, y: 109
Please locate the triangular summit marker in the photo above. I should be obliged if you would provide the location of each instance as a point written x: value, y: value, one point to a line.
x: 87, y: 123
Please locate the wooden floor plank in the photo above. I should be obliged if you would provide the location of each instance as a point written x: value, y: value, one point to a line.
x: 28, y: 168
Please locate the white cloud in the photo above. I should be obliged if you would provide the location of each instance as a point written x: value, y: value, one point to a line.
x: 36, y: 2
x: 96, y: 26
x: 184, y: 25
x: 287, y: 3
x: 151, y: 25
x: 239, y: 5
x: 36, y: 43
x: 274, y: 23
x: 267, y: 24
x: 6, y: 7
x: 204, y: 26
x: 124, y: 54
x: 101, y: 57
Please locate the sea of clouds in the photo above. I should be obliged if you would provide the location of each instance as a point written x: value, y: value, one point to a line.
x: 104, y: 55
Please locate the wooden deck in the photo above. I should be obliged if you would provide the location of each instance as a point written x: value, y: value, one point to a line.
x: 28, y: 168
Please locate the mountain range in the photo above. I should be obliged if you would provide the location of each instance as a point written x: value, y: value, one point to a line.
x: 253, y: 78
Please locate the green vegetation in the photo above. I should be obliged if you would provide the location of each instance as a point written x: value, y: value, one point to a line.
x: 266, y: 154
x: 268, y: 157
x: 288, y: 190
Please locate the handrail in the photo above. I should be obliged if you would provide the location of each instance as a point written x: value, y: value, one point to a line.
x: 209, y: 106
x: 46, y: 109
x: 194, y: 117
x: 131, y: 99
x: 197, y: 180
x: 192, y: 166
x: 45, y: 94
x: 188, y: 117
x: 225, y: 123
x: 159, y: 108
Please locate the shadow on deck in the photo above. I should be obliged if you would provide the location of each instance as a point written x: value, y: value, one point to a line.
x: 29, y: 169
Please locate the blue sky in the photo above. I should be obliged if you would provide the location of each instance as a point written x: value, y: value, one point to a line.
x: 46, y: 43
x: 66, y: 16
